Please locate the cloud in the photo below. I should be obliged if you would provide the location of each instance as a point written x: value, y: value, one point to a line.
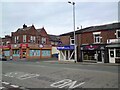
x: 56, y: 17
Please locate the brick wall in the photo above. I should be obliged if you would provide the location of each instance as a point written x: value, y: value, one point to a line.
x: 65, y: 40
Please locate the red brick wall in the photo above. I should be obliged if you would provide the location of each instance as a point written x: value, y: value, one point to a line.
x: 65, y: 40
x: 31, y: 32
x: 43, y: 33
x: 108, y: 35
x: 87, y: 38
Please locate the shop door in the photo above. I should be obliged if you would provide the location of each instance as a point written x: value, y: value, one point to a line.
x: 24, y: 54
x: 111, y: 56
x: 99, y: 56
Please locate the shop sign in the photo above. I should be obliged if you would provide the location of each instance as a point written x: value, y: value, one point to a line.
x: 5, y: 47
x: 70, y: 47
x: 23, y: 45
x: 91, y: 47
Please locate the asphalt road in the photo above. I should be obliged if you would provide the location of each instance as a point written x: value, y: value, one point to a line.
x: 27, y: 75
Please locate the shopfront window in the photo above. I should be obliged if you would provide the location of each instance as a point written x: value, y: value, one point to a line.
x: 7, y: 53
x: 34, y: 52
x: 46, y: 53
x: 117, y: 52
x: 16, y: 52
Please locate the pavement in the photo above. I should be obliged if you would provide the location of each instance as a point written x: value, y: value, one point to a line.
x: 56, y: 61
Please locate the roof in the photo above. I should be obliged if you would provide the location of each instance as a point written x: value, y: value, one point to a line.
x: 54, y: 37
x: 112, y: 26
x: 24, y: 29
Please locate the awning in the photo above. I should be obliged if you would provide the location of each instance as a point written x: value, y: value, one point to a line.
x: 113, y: 46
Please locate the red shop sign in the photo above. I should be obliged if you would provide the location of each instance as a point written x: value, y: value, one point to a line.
x: 23, y: 45
x: 91, y: 47
x: 5, y: 47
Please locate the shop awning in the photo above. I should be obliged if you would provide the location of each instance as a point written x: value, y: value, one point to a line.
x: 114, y: 45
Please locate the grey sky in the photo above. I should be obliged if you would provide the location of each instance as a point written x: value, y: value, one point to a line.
x: 56, y: 17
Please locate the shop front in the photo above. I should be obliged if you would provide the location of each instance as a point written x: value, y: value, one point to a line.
x: 114, y: 53
x: 6, y: 51
x: 93, y: 53
x: 66, y: 53
x: 31, y: 51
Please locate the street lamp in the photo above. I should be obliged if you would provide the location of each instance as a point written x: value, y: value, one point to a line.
x: 75, y: 50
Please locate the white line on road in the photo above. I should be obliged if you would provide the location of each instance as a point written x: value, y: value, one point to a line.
x: 6, y: 83
x: 15, y: 86
x: 1, y: 88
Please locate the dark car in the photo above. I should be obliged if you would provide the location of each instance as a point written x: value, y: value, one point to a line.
x: 3, y: 58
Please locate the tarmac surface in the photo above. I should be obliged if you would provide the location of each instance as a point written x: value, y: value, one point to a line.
x: 26, y: 75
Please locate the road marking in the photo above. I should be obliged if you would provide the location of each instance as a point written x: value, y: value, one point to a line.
x: 6, y: 83
x: 1, y: 88
x: 26, y: 76
x: 15, y: 86
x: 66, y: 83
x: 21, y: 75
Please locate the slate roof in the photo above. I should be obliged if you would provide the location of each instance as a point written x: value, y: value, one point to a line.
x: 54, y: 37
x: 112, y: 26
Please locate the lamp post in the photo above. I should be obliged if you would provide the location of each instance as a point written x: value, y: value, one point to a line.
x: 75, y: 50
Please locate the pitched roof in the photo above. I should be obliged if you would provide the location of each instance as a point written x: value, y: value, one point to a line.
x: 54, y: 37
x: 24, y: 29
x: 112, y: 26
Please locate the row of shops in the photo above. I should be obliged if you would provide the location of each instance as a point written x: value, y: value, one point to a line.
x: 28, y: 51
x: 100, y: 53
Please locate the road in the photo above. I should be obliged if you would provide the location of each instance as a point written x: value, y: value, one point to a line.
x: 27, y: 75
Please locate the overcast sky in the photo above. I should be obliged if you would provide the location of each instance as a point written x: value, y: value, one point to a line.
x: 55, y: 16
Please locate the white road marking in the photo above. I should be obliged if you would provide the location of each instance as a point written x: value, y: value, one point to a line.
x: 6, y: 83
x: 1, y: 88
x: 21, y: 75
x: 15, y: 86
x: 66, y: 83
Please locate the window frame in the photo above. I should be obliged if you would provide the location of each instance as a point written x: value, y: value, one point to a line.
x: 97, y: 37
x: 117, y: 33
x: 72, y: 39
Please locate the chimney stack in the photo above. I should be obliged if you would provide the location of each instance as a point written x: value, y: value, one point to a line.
x: 24, y: 26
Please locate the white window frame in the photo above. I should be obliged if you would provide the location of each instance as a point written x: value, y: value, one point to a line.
x: 24, y: 38
x: 98, y: 37
x: 117, y: 33
x: 72, y: 39
x: 15, y: 39
x: 43, y: 41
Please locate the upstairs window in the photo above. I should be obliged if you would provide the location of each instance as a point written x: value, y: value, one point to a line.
x: 117, y: 33
x: 43, y: 40
x: 97, y: 37
x: 32, y: 39
x: 15, y: 38
x: 24, y: 38
x: 72, y: 41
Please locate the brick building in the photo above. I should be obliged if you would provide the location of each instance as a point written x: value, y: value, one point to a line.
x: 94, y: 44
x: 28, y: 42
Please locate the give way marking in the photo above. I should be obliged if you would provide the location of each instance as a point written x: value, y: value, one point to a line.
x: 66, y: 83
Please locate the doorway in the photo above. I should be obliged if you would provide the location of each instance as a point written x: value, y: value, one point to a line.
x: 24, y: 53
